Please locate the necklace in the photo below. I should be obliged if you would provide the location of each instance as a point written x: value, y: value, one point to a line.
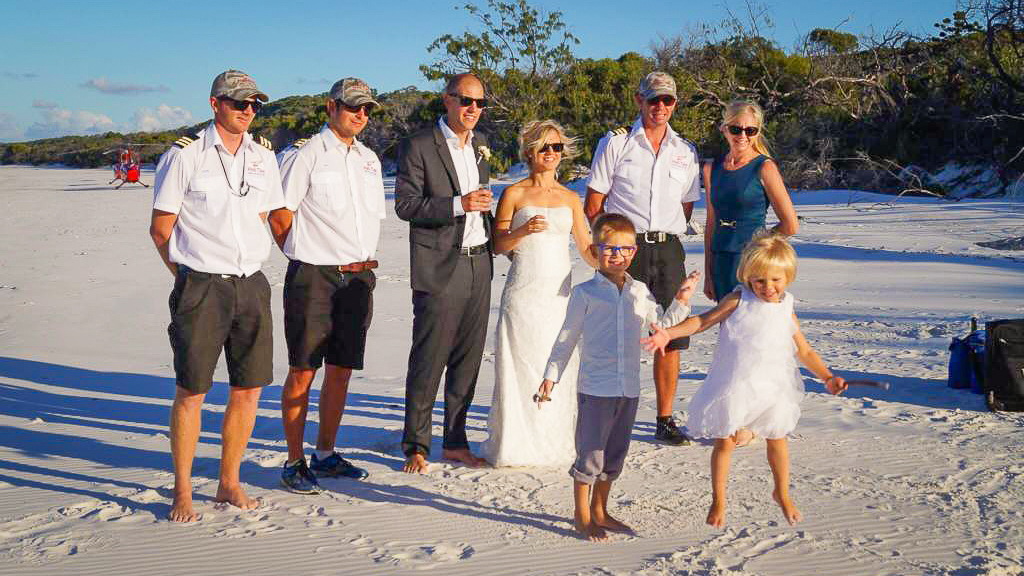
x: 243, y: 188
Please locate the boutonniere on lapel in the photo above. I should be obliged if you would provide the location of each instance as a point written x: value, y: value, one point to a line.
x: 483, y: 153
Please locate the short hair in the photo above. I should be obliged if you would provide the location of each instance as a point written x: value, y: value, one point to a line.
x: 533, y: 134
x: 759, y: 142
x: 454, y: 81
x: 610, y: 223
x: 765, y: 251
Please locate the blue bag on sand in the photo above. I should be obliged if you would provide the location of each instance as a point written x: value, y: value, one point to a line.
x: 975, y: 342
x: 959, y: 364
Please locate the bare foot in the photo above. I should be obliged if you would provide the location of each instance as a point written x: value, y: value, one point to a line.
x: 591, y: 531
x: 716, y: 515
x: 236, y: 496
x: 609, y: 523
x: 464, y: 456
x: 789, y: 510
x: 415, y: 464
x: 742, y: 437
x: 181, y: 509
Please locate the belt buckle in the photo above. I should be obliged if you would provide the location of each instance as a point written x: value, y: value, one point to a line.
x: 658, y: 237
x: 727, y: 223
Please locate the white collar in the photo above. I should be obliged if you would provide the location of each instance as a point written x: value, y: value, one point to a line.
x: 331, y: 140
x: 212, y: 138
x: 449, y: 134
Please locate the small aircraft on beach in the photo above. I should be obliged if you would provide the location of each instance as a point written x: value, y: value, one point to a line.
x: 126, y: 169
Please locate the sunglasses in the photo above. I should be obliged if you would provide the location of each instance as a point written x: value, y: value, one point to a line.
x: 553, y: 146
x: 750, y: 131
x: 609, y: 250
x: 664, y: 99
x: 366, y: 108
x: 467, y: 101
x: 241, y: 105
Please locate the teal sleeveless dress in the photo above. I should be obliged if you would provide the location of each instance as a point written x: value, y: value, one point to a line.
x: 740, y: 205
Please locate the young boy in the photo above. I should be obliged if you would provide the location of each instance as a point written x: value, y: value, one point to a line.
x: 611, y: 312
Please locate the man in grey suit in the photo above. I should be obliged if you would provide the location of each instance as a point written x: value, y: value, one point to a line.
x: 441, y: 190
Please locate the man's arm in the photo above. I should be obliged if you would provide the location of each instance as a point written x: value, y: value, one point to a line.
x: 412, y: 203
x: 281, y: 225
x: 594, y: 204
x: 160, y: 227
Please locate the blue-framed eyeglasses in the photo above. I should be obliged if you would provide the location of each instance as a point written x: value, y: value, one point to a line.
x: 609, y: 250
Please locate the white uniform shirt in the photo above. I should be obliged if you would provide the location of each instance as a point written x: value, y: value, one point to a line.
x: 337, y: 194
x: 650, y: 190
x: 611, y: 324
x: 464, y: 159
x: 218, y: 231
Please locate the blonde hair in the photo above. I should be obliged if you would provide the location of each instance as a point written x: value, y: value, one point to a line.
x: 764, y: 252
x: 611, y: 223
x: 738, y: 107
x: 533, y: 134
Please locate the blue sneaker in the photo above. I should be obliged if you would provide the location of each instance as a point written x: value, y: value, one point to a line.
x: 335, y: 465
x: 299, y: 479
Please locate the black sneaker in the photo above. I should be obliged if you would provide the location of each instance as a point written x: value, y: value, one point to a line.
x: 669, y: 433
x: 298, y: 478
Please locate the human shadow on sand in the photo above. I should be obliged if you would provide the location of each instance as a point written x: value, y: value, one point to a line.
x: 412, y: 496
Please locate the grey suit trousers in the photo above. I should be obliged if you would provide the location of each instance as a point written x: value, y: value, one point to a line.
x: 448, y: 333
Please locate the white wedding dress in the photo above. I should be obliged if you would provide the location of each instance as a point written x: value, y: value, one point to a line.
x: 532, y: 311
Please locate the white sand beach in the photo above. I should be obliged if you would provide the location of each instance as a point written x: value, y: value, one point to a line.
x: 918, y: 479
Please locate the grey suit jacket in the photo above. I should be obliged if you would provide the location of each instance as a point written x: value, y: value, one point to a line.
x: 424, y: 189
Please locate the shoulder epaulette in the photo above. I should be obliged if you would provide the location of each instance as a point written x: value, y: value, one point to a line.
x: 262, y: 141
x: 300, y: 142
x: 619, y: 131
x: 184, y: 141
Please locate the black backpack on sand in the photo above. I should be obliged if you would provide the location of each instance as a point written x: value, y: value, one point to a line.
x: 1004, y: 365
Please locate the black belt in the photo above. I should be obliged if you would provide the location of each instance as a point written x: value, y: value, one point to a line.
x: 654, y: 237
x: 188, y: 270
x: 473, y: 250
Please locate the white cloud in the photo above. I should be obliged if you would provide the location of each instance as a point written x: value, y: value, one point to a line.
x: 62, y: 122
x: 9, y: 129
x: 160, y: 118
x: 108, y: 87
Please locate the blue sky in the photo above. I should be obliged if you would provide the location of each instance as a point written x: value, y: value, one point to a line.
x: 80, y: 67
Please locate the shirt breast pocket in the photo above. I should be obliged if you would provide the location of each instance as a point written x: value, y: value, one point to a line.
x: 680, y: 179
x: 374, y: 189
x: 203, y: 196
x: 325, y: 190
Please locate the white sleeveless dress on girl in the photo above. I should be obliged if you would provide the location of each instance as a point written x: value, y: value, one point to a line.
x: 753, y: 381
x: 532, y: 311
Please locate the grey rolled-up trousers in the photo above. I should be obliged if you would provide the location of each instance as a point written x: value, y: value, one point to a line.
x: 604, y: 426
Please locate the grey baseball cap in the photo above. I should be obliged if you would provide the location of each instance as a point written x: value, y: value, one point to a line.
x: 352, y: 91
x: 237, y: 85
x: 657, y: 84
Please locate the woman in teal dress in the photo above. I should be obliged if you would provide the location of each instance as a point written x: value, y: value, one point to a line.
x: 740, y: 186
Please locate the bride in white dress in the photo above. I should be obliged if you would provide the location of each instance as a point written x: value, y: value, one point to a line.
x: 535, y: 218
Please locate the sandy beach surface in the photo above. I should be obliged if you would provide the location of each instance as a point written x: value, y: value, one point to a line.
x: 919, y: 479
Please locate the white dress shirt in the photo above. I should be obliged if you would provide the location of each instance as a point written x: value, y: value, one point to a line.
x: 611, y: 324
x: 464, y: 159
x: 649, y: 189
x: 218, y: 229
x: 337, y: 194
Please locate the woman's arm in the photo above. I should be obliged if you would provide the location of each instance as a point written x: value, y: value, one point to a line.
x: 779, y: 198
x: 709, y: 232
x: 580, y: 229
x: 809, y: 358
x: 505, y: 240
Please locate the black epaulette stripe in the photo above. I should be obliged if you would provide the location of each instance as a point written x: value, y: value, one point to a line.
x: 184, y: 141
x: 300, y: 142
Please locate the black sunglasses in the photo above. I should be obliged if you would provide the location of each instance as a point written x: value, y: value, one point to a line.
x: 555, y: 146
x: 241, y: 105
x: 664, y: 99
x: 467, y: 101
x: 366, y: 108
x: 750, y: 131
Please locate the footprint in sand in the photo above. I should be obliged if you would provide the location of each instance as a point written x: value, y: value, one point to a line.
x: 48, y: 537
x: 424, y: 557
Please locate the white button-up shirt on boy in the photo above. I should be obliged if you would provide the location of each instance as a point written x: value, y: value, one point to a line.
x: 648, y: 189
x: 337, y: 194
x: 611, y: 324
x: 218, y: 197
x: 464, y: 159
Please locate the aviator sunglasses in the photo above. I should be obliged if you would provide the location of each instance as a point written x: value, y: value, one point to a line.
x: 467, y: 101
x: 241, y: 105
x: 553, y: 146
x: 664, y: 99
x: 750, y: 131
x: 366, y: 108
